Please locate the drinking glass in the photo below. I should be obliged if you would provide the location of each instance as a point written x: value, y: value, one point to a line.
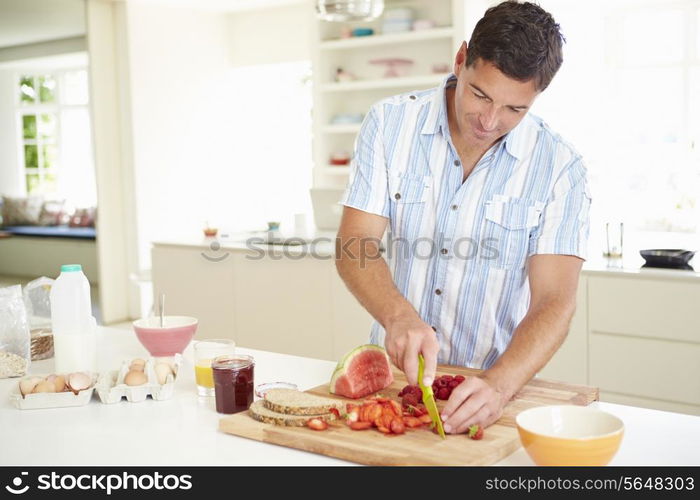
x: 204, y: 352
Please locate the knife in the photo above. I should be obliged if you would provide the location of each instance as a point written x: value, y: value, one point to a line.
x: 429, y: 398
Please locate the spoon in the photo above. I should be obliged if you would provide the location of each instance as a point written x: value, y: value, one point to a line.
x: 162, y: 310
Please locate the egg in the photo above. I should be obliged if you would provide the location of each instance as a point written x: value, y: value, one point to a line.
x: 79, y: 381
x: 135, y: 377
x: 59, y: 383
x: 44, y: 386
x: 137, y: 364
x: 27, y: 385
x: 162, y: 370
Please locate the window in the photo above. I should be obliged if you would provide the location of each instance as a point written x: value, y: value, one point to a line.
x: 54, y: 125
x: 269, y: 144
x: 627, y: 97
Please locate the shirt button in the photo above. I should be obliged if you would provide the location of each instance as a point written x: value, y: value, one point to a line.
x: 412, y: 97
x: 443, y: 251
x: 434, y: 329
x: 397, y: 196
x: 438, y: 292
x: 454, y: 207
x: 456, y: 163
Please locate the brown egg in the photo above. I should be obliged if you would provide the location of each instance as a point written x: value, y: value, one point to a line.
x: 44, y: 386
x: 79, y: 381
x: 27, y: 385
x: 137, y: 364
x: 162, y: 370
x: 59, y: 383
x: 135, y: 377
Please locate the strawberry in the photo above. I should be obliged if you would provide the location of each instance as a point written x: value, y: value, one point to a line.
x: 412, y: 422
x: 335, y: 412
x: 384, y: 430
x: 459, y: 378
x: 410, y: 400
x: 476, y: 432
x: 397, y: 426
x: 353, y: 416
x: 360, y: 426
x: 374, y: 412
x: 317, y: 424
x: 425, y: 418
x: 443, y: 393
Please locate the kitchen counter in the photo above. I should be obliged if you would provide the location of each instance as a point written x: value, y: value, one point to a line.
x: 183, y: 430
x: 321, y: 245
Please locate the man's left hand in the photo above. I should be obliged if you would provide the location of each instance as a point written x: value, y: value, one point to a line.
x: 474, y: 401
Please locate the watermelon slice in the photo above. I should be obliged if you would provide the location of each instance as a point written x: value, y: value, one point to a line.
x: 362, y: 371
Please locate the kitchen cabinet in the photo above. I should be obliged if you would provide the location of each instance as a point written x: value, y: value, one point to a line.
x: 570, y: 362
x: 283, y: 305
x: 196, y: 286
x: 635, y: 334
x: 270, y: 300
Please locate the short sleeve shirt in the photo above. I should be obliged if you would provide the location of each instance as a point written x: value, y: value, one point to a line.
x: 458, y: 250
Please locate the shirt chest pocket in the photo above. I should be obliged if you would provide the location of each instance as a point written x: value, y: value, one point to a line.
x: 408, y: 195
x: 506, y: 232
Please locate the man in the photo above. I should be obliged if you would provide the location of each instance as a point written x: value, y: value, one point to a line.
x: 502, y: 198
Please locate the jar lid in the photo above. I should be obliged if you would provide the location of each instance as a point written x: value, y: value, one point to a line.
x: 232, y: 362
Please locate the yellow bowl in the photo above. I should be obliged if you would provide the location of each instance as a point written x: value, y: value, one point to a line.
x: 569, y: 435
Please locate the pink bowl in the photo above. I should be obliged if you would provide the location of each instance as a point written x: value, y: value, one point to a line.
x: 168, y: 340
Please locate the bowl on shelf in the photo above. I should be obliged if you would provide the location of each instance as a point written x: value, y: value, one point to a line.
x: 666, y: 257
x: 569, y: 435
x: 167, y: 340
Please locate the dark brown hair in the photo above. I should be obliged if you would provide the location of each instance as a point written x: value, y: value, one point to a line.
x: 521, y: 39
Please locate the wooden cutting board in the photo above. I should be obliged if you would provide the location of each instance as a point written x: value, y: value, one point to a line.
x: 417, y: 446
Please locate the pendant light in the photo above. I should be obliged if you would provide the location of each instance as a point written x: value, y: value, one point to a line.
x: 349, y: 10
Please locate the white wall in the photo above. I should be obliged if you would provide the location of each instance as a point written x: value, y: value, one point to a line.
x: 271, y: 35
x: 10, y: 170
x: 177, y: 64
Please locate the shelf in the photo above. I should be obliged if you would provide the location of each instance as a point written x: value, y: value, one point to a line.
x: 385, y: 83
x: 351, y: 128
x: 390, y: 38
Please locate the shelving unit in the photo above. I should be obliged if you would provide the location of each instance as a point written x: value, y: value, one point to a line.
x: 427, y: 48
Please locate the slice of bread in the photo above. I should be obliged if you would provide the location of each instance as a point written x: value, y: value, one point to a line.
x: 295, y: 402
x: 259, y: 412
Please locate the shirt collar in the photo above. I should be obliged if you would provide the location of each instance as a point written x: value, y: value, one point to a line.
x: 518, y: 142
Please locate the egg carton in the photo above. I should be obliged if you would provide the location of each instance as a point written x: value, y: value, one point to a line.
x: 51, y: 399
x: 111, y: 387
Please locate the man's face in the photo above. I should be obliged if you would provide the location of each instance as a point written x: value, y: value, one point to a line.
x: 487, y: 103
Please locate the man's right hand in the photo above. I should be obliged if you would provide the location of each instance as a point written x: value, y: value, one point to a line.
x: 405, y: 338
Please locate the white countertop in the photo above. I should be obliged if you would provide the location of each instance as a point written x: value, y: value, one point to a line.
x: 321, y: 244
x: 183, y: 430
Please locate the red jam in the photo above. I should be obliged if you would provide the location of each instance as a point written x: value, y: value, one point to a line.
x: 233, y: 382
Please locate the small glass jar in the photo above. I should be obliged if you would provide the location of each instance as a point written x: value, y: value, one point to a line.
x: 233, y: 382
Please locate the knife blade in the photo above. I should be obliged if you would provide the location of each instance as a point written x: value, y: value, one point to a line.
x: 429, y: 398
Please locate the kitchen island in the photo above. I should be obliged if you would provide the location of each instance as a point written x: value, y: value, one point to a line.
x: 183, y: 430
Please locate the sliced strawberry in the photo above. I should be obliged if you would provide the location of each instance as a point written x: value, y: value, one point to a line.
x: 360, y: 426
x: 412, y: 422
x: 317, y: 424
x: 425, y: 419
x: 335, y: 412
x: 475, y: 432
x: 409, y: 400
x: 396, y: 407
x: 397, y: 426
x: 384, y: 430
x: 353, y: 416
x: 350, y: 407
x: 374, y: 412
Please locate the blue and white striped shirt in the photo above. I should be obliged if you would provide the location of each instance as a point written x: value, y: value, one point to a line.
x: 458, y: 251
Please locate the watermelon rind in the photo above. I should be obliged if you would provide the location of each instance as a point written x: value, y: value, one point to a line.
x: 345, y: 361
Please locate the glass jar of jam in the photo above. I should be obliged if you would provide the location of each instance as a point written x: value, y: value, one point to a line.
x: 233, y: 382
